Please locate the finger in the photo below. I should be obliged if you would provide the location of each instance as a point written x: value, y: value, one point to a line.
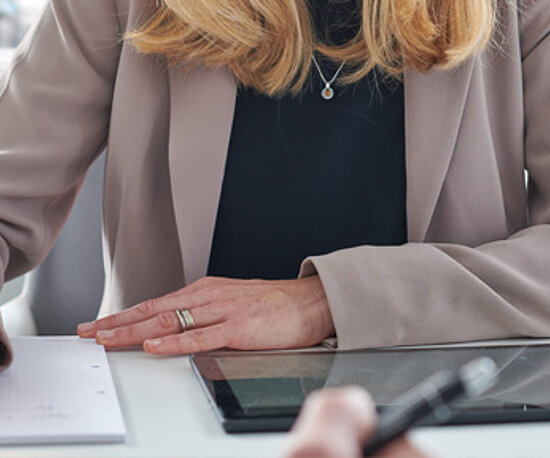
x: 143, y: 311
x: 200, y: 293
x: 135, y: 314
x: 351, y: 404
x: 197, y: 340
x: 333, y: 422
x: 163, y: 324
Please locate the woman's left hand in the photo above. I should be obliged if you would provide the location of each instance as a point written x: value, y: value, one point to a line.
x: 228, y: 313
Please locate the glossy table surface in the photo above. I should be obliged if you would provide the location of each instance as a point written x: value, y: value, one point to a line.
x: 167, y: 414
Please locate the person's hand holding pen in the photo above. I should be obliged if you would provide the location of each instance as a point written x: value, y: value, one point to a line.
x: 337, y: 422
x: 342, y: 422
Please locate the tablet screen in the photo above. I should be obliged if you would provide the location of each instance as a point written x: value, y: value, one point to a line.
x: 247, y: 387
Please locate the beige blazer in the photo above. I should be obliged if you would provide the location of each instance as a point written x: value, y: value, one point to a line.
x: 477, y: 264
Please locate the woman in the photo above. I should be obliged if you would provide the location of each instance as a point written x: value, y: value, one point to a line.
x: 456, y: 250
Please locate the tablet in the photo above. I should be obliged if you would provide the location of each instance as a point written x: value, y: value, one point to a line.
x: 263, y: 391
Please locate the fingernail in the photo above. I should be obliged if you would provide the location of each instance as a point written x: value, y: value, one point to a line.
x: 153, y: 342
x: 85, y: 327
x: 105, y: 335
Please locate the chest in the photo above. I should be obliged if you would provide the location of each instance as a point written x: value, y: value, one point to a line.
x: 173, y: 130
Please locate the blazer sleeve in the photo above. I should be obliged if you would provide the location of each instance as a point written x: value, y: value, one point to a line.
x: 429, y: 293
x: 6, y: 354
x: 55, y: 101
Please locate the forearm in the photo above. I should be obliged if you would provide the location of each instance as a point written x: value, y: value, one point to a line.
x: 55, y: 103
x: 5, y: 348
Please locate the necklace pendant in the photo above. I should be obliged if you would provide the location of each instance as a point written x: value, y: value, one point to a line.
x: 327, y: 93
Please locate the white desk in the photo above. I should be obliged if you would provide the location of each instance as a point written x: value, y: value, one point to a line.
x: 167, y: 414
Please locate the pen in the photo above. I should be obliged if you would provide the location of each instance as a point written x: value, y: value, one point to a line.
x: 433, y: 396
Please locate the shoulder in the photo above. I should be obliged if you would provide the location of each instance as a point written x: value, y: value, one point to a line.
x: 126, y: 14
x: 534, y: 23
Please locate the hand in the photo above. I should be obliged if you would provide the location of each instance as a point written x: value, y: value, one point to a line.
x: 337, y: 422
x: 237, y: 314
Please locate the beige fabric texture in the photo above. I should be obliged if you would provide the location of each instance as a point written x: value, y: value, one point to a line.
x: 477, y: 264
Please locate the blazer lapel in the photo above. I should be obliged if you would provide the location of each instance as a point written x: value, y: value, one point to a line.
x: 201, y: 115
x: 434, y: 103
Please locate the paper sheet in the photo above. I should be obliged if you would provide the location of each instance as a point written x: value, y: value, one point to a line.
x: 59, y: 390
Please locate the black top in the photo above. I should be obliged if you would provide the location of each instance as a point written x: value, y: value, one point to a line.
x: 309, y: 176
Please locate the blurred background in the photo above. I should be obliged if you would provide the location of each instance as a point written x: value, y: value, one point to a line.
x: 16, y: 16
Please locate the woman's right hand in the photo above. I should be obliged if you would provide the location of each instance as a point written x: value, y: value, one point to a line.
x: 336, y: 422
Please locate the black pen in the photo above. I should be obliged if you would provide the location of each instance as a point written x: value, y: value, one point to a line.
x: 432, y: 396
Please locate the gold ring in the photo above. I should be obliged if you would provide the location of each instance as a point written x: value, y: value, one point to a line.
x: 187, y: 318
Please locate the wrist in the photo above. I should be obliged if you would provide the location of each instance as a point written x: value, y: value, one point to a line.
x: 318, y: 292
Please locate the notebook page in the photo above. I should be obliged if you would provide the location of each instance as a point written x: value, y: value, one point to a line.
x: 58, y: 390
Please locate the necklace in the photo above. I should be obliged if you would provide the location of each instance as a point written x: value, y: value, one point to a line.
x: 327, y: 92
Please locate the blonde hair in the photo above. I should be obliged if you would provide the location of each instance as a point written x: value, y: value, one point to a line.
x: 268, y: 44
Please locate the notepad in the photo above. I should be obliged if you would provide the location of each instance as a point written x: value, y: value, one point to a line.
x: 59, y: 390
